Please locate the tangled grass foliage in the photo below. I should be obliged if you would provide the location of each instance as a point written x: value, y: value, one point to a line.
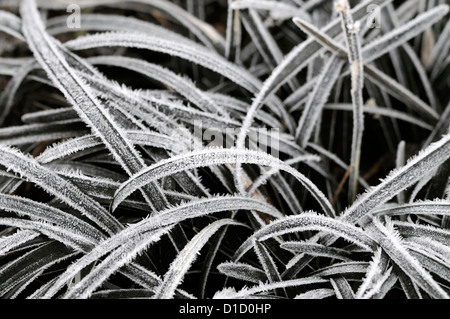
x: 224, y: 149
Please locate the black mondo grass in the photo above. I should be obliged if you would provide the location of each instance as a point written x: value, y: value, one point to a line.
x: 224, y: 149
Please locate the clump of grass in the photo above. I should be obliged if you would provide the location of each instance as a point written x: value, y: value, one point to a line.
x: 333, y: 181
